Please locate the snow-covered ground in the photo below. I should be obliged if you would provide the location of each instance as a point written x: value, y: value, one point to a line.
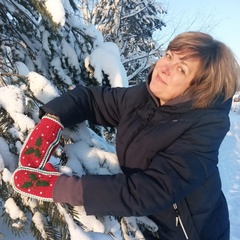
x: 230, y: 172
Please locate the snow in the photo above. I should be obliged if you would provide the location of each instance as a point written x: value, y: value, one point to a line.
x: 10, y: 160
x: 77, y: 232
x: 92, y: 32
x: 229, y: 165
x: 43, y: 90
x: 88, y: 153
x: 56, y: 8
x: 70, y: 54
x: 2, y: 165
x: 16, y: 104
x: 39, y: 221
x: 110, y: 64
x: 56, y: 64
x: 14, y: 210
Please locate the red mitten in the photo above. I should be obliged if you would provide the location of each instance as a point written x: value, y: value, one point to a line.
x: 40, y: 144
x: 35, y: 183
x: 49, y: 167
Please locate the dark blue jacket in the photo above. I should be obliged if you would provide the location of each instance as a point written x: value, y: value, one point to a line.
x: 168, y: 154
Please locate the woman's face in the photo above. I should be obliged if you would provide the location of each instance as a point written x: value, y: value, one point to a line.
x: 172, y: 76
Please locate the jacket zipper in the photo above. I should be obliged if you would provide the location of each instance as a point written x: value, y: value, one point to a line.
x: 178, y: 220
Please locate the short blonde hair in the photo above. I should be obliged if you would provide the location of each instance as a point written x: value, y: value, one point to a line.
x: 219, y: 70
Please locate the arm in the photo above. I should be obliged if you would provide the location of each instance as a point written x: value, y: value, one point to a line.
x: 172, y: 175
x: 99, y: 105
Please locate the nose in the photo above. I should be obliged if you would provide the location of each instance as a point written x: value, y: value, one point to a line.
x: 165, y: 69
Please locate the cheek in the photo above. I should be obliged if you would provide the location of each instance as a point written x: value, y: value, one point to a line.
x: 179, y: 85
x: 151, y: 86
x: 159, y: 64
x: 185, y: 85
x: 154, y: 70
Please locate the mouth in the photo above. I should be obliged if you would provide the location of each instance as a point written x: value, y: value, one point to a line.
x: 160, y: 80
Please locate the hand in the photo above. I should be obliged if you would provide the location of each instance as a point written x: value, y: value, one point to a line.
x: 48, y: 185
x: 40, y: 144
x: 35, y: 183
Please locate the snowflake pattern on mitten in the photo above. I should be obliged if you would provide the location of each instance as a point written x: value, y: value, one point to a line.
x: 41, y: 143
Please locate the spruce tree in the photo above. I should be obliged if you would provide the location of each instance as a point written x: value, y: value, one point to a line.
x: 58, y: 48
x: 131, y: 25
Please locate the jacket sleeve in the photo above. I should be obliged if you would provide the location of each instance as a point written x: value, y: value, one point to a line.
x: 99, y: 105
x: 172, y: 175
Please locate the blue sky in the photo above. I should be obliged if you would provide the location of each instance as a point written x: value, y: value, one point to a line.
x: 219, y: 18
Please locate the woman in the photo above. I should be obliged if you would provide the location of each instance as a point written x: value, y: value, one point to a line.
x: 169, y: 131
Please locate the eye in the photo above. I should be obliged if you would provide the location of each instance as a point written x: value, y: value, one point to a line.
x: 181, y: 70
x: 167, y: 54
